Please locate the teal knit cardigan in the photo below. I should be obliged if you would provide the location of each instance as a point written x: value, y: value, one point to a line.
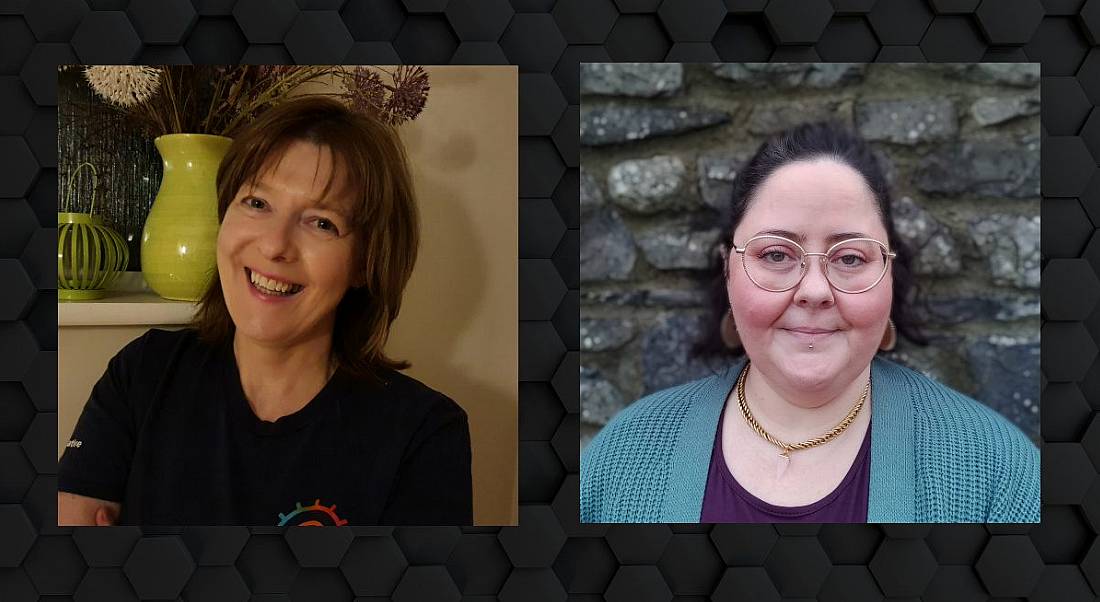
x: 936, y: 455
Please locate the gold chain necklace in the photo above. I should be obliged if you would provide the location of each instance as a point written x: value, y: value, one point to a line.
x: 787, y: 448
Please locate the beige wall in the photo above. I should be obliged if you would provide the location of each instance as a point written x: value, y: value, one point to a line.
x: 459, y: 321
x: 459, y: 324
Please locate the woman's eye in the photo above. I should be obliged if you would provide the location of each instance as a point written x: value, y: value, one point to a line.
x: 327, y: 226
x: 851, y: 260
x: 775, y: 256
x: 254, y: 203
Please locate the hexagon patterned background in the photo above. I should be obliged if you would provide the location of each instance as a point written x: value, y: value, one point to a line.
x: 550, y: 556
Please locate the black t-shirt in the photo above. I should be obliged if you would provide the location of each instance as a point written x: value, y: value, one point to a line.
x: 169, y: 434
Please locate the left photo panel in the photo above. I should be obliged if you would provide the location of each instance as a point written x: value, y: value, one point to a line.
x: 287, y: 295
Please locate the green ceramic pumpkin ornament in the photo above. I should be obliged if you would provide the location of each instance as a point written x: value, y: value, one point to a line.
x: 90, y: 255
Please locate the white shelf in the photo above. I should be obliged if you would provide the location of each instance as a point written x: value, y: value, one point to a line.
x: 132, y: 305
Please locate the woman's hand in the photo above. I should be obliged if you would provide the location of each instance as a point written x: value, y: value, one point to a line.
x: 78, y: 510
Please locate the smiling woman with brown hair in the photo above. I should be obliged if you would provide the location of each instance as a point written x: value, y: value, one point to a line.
x: 279, y: 405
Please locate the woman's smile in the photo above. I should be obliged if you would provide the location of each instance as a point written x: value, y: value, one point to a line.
x: 809, y: 335
x: 271, y: 289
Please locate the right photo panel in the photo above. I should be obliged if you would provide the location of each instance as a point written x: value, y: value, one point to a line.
x: 810, y: 293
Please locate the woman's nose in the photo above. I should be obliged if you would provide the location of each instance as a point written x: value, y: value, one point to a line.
x: 814, y: 289
x: 277, y: 242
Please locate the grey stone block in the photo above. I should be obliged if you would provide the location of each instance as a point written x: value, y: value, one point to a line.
x: 605, y: 334
x: 909, y: 121
x: 678, y: 246
x: 775, y: 117
x: 666, y: 352
x: 646, y: 80
x: 1011, y: 243
x: 789, y: 75
x: 1006, y: 372
x: 591, y: 196
x: 717, y: 171
x: 648, y: 185
x: 659, y: 297
x: 1024, y: 75
x: 998, y: 168
x: 616, y: 124
x: 991, y: 110
x: 607, y: 247
x: 931, y: 241
x: 600, y: 400
x: 953, y: 310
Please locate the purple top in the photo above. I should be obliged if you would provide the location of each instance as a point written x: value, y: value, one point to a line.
x: 726, y: 501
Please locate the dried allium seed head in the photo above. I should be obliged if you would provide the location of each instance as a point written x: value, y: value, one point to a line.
x: 410, y: 94
x: 124, y: 85
x: 365, y: 91
x: 277, y: 71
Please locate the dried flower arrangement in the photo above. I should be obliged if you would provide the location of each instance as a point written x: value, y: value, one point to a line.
x: 208, y: 99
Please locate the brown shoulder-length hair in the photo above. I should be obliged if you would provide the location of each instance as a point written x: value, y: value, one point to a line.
x: 384, y: 218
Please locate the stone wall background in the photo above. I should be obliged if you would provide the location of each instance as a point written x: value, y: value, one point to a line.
x: 661, y: 144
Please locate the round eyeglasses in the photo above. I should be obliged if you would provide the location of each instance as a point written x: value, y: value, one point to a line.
x: 778, y: 264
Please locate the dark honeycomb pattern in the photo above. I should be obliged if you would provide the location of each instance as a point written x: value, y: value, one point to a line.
x: 551, y: 556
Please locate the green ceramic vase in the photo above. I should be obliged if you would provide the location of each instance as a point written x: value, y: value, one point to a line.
x: 178, y: 244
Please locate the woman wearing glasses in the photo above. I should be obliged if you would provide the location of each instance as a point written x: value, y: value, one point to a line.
x: 808, y: 425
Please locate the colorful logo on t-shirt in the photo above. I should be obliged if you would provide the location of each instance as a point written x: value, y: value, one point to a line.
x: 315, y: 515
